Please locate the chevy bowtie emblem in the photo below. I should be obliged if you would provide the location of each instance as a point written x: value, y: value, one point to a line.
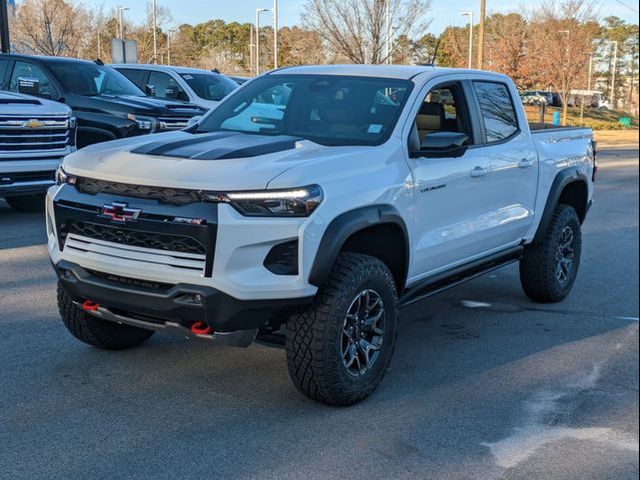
x: 33, y: 124
x: 118, y: 212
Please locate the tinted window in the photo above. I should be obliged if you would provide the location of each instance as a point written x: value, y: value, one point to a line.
x: 166, y: 86
x: 89, y: 79
x: 326, y: 109
x: 29, y: 70
x: 210, y: 86
x: 136, y: 76
x: 498, y: 112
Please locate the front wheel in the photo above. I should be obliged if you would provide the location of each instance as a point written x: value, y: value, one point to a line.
x: 549, y: 268
x: 338, y: 349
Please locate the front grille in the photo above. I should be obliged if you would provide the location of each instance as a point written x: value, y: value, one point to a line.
x: 133, y: 238
x: 10, y: 178
x: 173, y: 123
x: 21, y: 133
x: 170, y: 196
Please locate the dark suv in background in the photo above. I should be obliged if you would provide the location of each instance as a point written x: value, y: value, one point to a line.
x: 106, y: 104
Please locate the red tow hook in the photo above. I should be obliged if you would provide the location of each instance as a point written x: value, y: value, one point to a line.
x: 90, y: 306
x: 200, y: 328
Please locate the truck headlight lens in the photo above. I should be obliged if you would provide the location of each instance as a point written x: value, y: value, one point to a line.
x: 143, y: 123
x: 63, y: 177
x: 296, y: 202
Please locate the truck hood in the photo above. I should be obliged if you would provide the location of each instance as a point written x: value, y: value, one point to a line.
x: 19, y: 104
x: 149, y: 105
x: 212, y: 161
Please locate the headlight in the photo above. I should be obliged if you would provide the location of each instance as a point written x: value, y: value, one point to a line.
x: 297, y: 202
x: 143, y: 123
x: 63, y: 177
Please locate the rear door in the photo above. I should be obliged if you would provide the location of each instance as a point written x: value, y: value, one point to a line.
x: 506, y: 142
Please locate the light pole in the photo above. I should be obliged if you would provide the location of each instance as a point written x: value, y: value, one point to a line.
x: 251, y: 46
x: 5, y: 46
x: 258, y: 12
x: 169, y: 32
x: 470, y: 15
x: 155, y: 28
x: 387, y: 43
x: 275, y: 34
x: 120, y: 24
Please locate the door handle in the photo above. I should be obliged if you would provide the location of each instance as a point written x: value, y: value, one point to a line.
x: 479, y: 172
x: 525, y: 163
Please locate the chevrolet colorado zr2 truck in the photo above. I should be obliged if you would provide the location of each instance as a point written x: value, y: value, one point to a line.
x: 35, y: 135
x: 311, y: 204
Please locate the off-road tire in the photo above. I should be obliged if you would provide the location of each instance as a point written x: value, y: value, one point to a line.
x: 538, y: 266
x: 97, y: 332
x: 315, y: 333
x: 27, y: 203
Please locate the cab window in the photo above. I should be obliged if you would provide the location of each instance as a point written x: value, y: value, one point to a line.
x: 31, y: 71
x: 134, y: 75
x: 442, y: 110
x: 167, y: 87
x: 497, y: 110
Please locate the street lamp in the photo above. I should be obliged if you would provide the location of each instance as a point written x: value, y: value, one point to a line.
x: 275, y: 34
x: 155, y: 28
x: 120, y: 25
x: 258, y: 12
x: 169, y: 32
x: 470, y: 15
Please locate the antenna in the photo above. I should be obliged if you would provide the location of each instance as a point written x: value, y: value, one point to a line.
x: 435, y: 52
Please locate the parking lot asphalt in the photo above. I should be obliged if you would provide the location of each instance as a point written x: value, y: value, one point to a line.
x: 484, y: 384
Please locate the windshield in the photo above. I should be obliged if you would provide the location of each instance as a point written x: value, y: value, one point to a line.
x: 210, y: 86
x: 326, y: 109
x: 90, y: 79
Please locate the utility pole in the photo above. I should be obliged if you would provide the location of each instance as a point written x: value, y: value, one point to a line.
x: 120, y: 21
x: 613, y: 74
x: 155, y: 28
x: 251, y: 47
x: 4, y: 27
x: 483, y: 11
x: 275, y: 34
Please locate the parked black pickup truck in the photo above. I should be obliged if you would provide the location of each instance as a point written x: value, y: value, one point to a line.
x: 106, y: 104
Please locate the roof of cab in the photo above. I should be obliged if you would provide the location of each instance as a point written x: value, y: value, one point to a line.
x: 401, y: 72
x: 163, y: 68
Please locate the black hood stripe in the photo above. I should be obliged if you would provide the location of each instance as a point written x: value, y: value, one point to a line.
x: 220, y: 146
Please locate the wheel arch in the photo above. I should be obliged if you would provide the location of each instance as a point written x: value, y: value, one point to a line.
x: 93, y: 133
x: 373, y: 230
x: 569, y: 187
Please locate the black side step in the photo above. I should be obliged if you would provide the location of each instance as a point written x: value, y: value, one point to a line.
x: 451, y: 278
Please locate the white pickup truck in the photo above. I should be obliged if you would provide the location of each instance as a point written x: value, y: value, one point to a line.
x: 35, y: 135
x: 348, y: 192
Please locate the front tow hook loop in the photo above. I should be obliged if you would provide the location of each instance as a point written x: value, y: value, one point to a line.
x: 200, y: 328
x: 90, y: 306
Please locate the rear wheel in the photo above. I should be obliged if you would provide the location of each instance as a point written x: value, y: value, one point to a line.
x: 549, y: 268
x: 27, y: 203
x: 97, y: 332
x: 338, y: 349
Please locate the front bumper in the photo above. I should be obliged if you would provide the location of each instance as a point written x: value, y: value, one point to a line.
x: 182, y: 304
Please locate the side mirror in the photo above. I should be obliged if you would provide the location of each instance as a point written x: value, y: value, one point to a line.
x: 443, y: 144
x: 29, y: 86
x: 150, y: 90
x: 193, y: 120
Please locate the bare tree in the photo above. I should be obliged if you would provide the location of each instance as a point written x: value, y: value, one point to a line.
x: 562, y: 35
x: 52, y: 27
x: 355, y: 30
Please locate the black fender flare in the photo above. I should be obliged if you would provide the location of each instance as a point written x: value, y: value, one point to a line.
x: 345, y: 225
x: 99, y: 131
x: 562, y: 179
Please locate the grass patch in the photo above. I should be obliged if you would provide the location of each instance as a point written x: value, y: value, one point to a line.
x: 594, y: 118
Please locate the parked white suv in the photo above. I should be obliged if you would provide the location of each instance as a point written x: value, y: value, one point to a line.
x: 312, y: 203
x: 200, y: 87
x: 35, y: 135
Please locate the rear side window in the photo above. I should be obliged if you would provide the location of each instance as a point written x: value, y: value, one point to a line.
x: 136, y: 76
x: 498, y: 112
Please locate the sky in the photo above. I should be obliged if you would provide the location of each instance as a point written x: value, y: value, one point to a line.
x: 443, y: 13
